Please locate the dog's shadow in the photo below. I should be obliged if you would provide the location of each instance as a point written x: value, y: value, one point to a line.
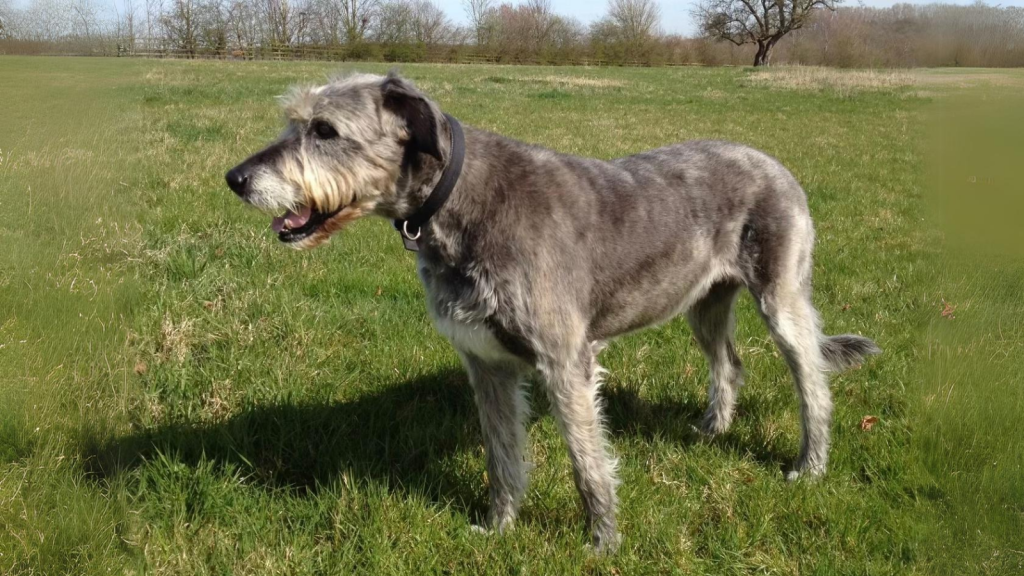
x: 404, y: 436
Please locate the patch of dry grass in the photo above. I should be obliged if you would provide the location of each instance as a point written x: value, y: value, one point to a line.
x: 576, y: 81
x: 175, y: 339
x: 842, y: 82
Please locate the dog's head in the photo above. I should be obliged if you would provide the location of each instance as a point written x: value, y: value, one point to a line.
x: 358, y: 145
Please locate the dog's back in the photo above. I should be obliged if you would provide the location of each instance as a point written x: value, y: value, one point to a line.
x: 638, y: 238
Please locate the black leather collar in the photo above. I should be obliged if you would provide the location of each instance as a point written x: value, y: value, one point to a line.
x: 412, y: 227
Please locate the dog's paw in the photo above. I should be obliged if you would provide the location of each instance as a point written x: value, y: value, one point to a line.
x: 714, y: 423
x: 492, y: 527
x: 808, y: 473
x: 604, y: 545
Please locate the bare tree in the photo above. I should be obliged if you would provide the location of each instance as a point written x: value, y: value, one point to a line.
x: 181, y: 26
x: 479, y: 12
x: 430, y: 25
x: 244, y: 23
x: 214, y: 27
x: 761, y: 22
x: 45, y: 20
x: 394, y: 22
x: 326, y: 26
x: 357, y: 16
x: 124, y: 26
x: 637, y: 20
x: 85, y: 18
x: 286, y: 21
x: 541, y: 20
x: 6, y: 20
x: 154, y: 11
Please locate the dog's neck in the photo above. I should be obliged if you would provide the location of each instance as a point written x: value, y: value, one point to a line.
x: 411, y: 227
x: 417, y: 178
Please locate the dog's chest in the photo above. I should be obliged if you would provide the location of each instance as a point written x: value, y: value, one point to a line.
x: 472, y: 338
x: 459, y: 309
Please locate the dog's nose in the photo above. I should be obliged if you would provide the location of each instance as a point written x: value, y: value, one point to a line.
x: 237, y: 180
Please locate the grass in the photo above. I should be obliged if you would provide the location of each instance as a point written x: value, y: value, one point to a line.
x: 834, y: 80
x: 183, y: 396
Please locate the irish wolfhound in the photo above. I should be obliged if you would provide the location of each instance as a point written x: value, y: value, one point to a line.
x: 532, y: 260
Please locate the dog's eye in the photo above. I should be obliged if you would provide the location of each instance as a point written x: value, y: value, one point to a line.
x: 324, y: 130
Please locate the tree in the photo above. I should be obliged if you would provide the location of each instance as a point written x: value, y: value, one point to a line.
x: 636, y: 20
x: 213, y: 26
x: 244, y: 23
x: 154, y: 10
x: 541, y: 21
x: 86, y: 18
x: 45, y: 20
x: 124, y: 27
x: 357, y: 15
x: 394, y: 22
x: 761, y: 22
x: 430, y: 25
x: 6, y: 20
x: 286, y: 21
x: 181, y: 24
x: 479, y: 12
x: 326, y: 26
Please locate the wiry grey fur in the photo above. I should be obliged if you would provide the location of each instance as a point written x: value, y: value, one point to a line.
x: 539, y: 258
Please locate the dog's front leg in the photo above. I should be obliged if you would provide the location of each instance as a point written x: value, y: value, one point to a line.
x: 501, y: 401
x: 573, y: 380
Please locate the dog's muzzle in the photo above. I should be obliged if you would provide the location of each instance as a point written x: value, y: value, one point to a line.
x: 294, y: 225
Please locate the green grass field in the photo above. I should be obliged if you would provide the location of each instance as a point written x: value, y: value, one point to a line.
x: 181, y: 395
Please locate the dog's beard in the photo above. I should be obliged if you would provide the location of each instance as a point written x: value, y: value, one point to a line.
x: 302, y: 215
x: 307, y: 203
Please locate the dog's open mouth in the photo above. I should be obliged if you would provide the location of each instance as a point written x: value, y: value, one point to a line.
x: 295, y: 226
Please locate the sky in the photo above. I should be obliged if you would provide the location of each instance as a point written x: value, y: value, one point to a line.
x: 675, y: 14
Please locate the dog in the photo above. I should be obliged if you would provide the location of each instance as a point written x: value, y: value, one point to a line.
x: 532, y: 260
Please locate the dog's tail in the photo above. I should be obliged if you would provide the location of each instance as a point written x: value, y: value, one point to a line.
x: 846, y: 351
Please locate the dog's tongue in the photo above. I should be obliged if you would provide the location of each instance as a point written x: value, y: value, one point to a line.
x: 292, y: 219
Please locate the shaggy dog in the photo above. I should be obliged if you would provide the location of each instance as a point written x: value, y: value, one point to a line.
x: 532, y: 260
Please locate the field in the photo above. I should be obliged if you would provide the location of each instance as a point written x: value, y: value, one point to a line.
x: 181, y: 395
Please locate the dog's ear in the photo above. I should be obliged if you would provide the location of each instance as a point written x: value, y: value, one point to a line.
x: 421, y: 118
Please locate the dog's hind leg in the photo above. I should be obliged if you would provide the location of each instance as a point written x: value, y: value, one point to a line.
x: 501, y: 401
x: 784, y: 300
x: 776, y: 263
x: 793, y: 322
x: 573, y: 380
x: 713, y: 322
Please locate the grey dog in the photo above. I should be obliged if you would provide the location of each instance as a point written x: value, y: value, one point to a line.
x: 537, y: 259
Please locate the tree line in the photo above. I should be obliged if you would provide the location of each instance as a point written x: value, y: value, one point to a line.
x: 730, y: 32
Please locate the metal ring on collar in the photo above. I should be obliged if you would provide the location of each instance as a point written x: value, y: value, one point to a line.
x: 405, y: 231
